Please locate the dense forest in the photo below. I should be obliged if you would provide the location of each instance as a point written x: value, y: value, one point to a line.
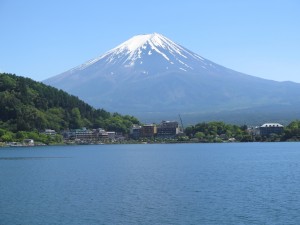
x: 217, y: 131
x: 27, y: 105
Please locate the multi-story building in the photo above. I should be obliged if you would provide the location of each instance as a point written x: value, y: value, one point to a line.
x: 111, y: 135
x: 100, y: 134
x: 135, y: 131
x: 148, y: 131
x: 270, y: 128
x: 167, y: 129
x: 82, y: 134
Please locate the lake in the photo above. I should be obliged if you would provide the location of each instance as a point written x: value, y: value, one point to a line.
x: 232, y: 183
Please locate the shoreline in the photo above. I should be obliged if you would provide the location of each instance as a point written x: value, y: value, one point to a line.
x: 8, y: 145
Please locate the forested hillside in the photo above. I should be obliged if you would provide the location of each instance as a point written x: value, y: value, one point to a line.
x: 27, y: 105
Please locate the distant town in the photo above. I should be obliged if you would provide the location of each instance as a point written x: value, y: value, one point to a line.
x: 164, y: 132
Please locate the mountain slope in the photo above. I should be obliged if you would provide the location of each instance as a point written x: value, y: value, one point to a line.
x: 27, y: 105
x: 151, y: 76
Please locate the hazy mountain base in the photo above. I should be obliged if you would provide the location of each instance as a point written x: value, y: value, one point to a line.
x: 163, y: 97
x: 253, y: 117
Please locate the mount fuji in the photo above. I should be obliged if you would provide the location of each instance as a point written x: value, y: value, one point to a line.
x: 153, y: 78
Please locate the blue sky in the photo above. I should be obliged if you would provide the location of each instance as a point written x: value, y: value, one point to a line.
x: 40, y: 39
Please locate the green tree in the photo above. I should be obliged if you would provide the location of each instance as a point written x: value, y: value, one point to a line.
x: 7, y: 137
x: 76, y: 121
x: 199, y: 135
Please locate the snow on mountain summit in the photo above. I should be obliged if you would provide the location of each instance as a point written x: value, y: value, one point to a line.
x: 154, y: 40
x: 146, y: 50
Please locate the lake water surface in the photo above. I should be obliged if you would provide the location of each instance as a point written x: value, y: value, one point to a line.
x: 244, y: 183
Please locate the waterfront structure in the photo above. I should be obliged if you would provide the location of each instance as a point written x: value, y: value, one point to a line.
x: 168, y: 129
x: 148, y: 131
x: 270, y: 128
x: 254, y: 131
x: 94, y: 135
x: 81, y: 134
x: 100, y: 134
x: 135, y: 131
x: 50, y: 132
x: 111, y: 135
x: 28, y: 142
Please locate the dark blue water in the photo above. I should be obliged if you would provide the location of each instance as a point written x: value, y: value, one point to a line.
x: 257, y: 183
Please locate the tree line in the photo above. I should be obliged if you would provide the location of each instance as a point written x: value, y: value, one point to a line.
x: 220, y: 131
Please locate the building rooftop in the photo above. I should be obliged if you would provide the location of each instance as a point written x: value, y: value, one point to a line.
x: 272, y: 125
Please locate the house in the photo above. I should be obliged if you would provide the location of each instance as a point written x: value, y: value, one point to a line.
x: 270, y: 128
x: 50, y: 132
x: 28, y: 142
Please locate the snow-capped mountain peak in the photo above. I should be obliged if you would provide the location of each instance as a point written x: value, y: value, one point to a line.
x: 136, y: 42
x: 152, y: 76
x: 135, y: 46
x: 146, y: 49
